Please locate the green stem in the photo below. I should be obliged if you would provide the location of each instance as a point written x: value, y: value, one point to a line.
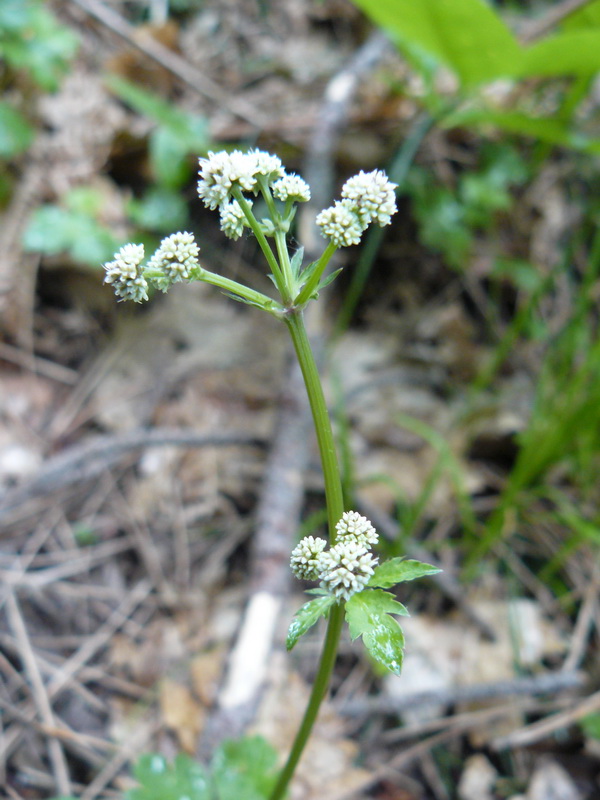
x: 264, y: 245
x: 311, y: 286
x: 250, y: 295
x: 335, y: 509
x: 331, y: 473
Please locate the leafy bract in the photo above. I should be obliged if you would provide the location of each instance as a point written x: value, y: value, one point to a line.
x: 368, y: 615
x: 307, y: 616
x: 465, y: 35
x: 399, y: 570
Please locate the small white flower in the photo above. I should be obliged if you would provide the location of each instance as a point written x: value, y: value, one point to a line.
x: 346, y: 569
x: 232, y: 219
x: 341, y: 224
x: 177, y: 256
x: 372, y: 196
x: 356, y: 528
x: 268, y: 165
x: 305, y: 560
x: 292, y: 187
x: 221, y: 171
x: 124, y: 273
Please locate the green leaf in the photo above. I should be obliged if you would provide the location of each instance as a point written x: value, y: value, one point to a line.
x: 296, y: 261
x: 546, y: 130
x: 328, y: 279
x: 465, y: 35
x: 160, y: 209
x: 52, y: 230
x: 244, y: 768
x: 160, y: 780
x: 16, y: 134
x: 397, y: 570
x: 32, y: 40
x: 367, y: 614
x: 306, y: 617
x: 572, y: 53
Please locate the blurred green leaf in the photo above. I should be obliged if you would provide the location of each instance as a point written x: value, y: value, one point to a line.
x: 545, y: 129
x: 32, y: 40
x: 179, y: 134
x: 572, y: 53
x: 52, y: 230
x: 160, y: 209
x: 16, y: 134
x: 244, y: 768
x: 160, y: 780
x: 465, y: 35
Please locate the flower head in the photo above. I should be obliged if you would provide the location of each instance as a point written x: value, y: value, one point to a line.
x: 268, y: 165
x: 125, y: 274
x: 372, y: 196
x: 221, y: 171
x: 305, y: 560
x: 177, y: 256
x: 346, y: 568
x: 341, y: 224
x: 232, y: 219
x: 292, y: 187
x: 355, y: 528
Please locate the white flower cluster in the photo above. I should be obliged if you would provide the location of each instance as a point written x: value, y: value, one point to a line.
x: 125, y: 273
x: 176, y: 257
x: 344, y: 569
x: 174, y: 261
x: 367, y: 197
x: 353, y: 527
x: 222, y: 172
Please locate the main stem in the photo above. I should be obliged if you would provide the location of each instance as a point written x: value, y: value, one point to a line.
x: 335, y: 509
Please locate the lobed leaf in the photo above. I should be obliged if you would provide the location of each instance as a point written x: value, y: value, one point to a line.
x: 368, y: 615
x: 399, y: 570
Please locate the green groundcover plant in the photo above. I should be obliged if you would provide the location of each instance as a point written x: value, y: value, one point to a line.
x: 352, y: 585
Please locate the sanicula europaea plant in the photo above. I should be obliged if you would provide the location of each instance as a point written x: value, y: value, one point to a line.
x: 352, y: 583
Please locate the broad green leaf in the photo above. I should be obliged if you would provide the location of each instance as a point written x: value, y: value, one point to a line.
x: 586, y: 18
x: 385, y: 643
x: 572, y: 53
x: 306, y: 617
x: 397, y: 570
x: 365, y: 609
x: 544, y: 129
x: 160, y: 780
x: 16, y: 134
x: 465, y: 35
x: 368, y: 615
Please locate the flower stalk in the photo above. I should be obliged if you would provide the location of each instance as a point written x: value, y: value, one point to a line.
x: 351, y: 581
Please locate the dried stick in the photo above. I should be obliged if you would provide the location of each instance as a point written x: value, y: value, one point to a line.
x: 40, y: 695
x: 87, y: 461
x: 551, y: 683
x: 533, y: 733
x: 170, y: 61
